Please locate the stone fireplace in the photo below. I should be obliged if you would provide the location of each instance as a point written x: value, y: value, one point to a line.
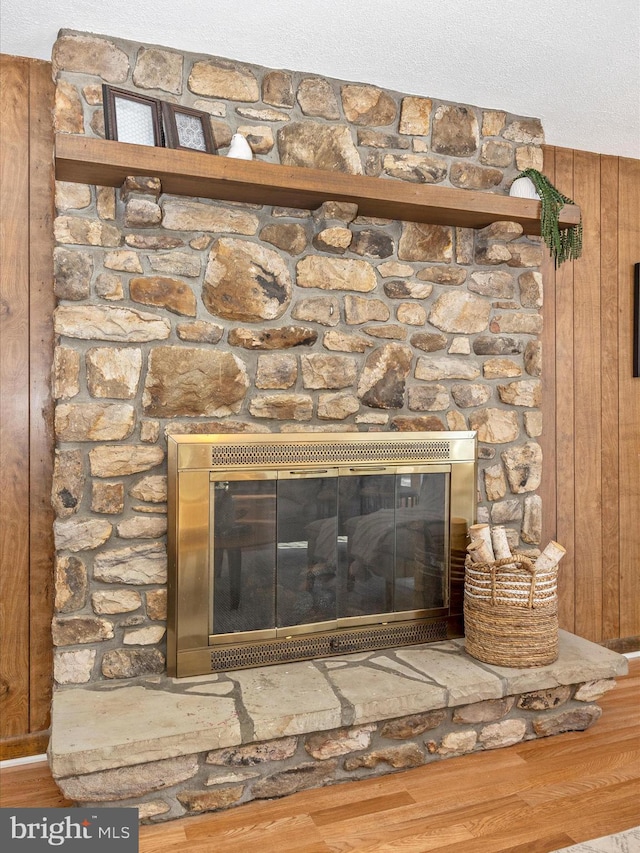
x: 184, y: 317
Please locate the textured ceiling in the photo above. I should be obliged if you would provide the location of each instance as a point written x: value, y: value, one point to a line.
x: 574, y: 65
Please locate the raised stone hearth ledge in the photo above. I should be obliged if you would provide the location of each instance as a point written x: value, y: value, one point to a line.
x: 182, y: 746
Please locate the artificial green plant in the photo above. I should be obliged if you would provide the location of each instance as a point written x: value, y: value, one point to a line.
x: 564, y: 244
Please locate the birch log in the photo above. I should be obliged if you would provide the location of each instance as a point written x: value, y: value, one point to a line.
x: 500, y: 544
x: 482, y: 532
x: 479, y: 551
x: 550, y: 557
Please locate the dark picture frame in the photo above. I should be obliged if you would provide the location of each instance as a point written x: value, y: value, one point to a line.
x: 130, y: 117
x: 187, y: 129
x: 636, y: 321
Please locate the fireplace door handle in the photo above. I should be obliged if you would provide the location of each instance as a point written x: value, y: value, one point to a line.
x: 372, y: 468
x: 309, y: 471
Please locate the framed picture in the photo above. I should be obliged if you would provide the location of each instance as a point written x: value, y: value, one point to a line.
x: 130, y: 117
x: 187, y: 128
x: 636, y: 321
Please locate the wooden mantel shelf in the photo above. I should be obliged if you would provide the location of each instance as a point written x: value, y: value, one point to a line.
x: 88, y: 160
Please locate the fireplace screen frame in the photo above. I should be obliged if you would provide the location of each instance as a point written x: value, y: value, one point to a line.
x: 196, y: 462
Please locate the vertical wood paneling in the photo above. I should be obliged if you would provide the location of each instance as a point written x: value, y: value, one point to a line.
x: 41, y: 443
x: 14, y: 398
x: 610, y: 398
x: 628, y: 255
x: 564, y: 408
x: 588, y: 403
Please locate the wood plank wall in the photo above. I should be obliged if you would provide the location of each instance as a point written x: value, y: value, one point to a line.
x: 591, y: 402
x: 26, y: 432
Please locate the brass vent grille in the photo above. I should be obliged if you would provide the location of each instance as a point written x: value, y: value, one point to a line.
x: 324, y: 453
x: 325, y: 645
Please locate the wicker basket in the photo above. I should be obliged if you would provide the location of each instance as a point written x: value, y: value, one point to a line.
x: 511, y: 612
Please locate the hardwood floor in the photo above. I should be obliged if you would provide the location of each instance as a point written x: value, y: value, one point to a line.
x: 531, y: 798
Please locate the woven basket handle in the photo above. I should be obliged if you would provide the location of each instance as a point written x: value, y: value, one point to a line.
x: 516, y: 559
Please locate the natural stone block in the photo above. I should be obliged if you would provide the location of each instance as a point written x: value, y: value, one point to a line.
x: 256, y: 753
x: 415, y: 115
x: 367, y: 105
x: 465, y: 240
x: 543, y: 700
x: 71, y: 196
x: 494, y: 345
x: 529, y: 157
x: 153, y: 241
x: 416, y: 424
x: 530, y: 284
x: 149, y: 431
x: 335, y: 239
x: 517, y: 323
x: 495, y: 483
x: 472, y: 177
x: 245, y: 281
x: 152, y: 808
x: 196, y: 802
x: 416, y: 168
x: 110, y: 601
x: 524, y: 392
x: 455, y: 131
x: 130, y: 663
x: 220, y: 78
x: 176, y: 263
x: 76, y: 630
x: 147, y: 636
x: 124, y: 782
x: 460, y: 345
x: 504, y: 512
x: 321, y: 309
x: 85, y: 232
x: 106, y: 202
x: 318, y: 146
x: 317, y: 98
x: 337, y: 406
x: 495, y: 426
x: 158, y: 69
x: 340, y: 211
x: 345, y: 343
x: 89, y: 54
x: 147, y: 185
x: 533, y: 358
x: 267, y: 339
x: 429, y: 341
x: 94, y: 421
x: 142, y: 528
x: 68, y: 482
x: 123, y: 260
x: 170, y: 293
x: 496, y: 153
x: 295, y: 779
x: 109, y: 324
x: 152, y: 488
x: 411, y: 314
x: 183, y: 215
x: 428, y: 398
x: 413, y: 725
x: 72, y: 271
x: 456, y: 421
x: 487, y: 711
x: 497, y: 368
x: 528, y: 130
x: 120, y: 460
x: 335, y: 274
x: 113, y: 371
x: 288, y: 236
x: 501, y: 734
x: 187, y: 381
x: 498, y: 284
x: 71, y: 584
x: 524, y: 467
x: 80, y: 534
x: 287, y: 407
x: 328, y: 371
x: 376, y: 139
x: 398, y: 757
x: 200, y: 332
x: 591, y: 690
x: 432, y: 368
x: 136, y: 564
x: 532, y: 522
x: 470, y: 395
x: 533, y: 423
x: 109, y: 286
x: 394, y: 333
x: 277, y: 89
x: 359, y: 310
x: 442, y: 275
x: 68, y: 114
x: 493, y: 122
x: 373, y: 244
x: 458, y: 743
x: 573, y: 720
x: 260, y: 115
x: 141, y: 213
x: 407, y: 290
x: 423, y: 242
x: 383, y: 378
x: 324, y: 745
x: 73, y: 667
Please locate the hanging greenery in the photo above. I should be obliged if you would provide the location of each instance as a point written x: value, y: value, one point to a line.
x: 564, y: 244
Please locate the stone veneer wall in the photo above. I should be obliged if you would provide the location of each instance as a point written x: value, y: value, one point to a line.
x: 184, y: 315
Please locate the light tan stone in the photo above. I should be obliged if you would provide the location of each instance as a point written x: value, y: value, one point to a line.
x: 431, y: 368
x: 73, y: 667
x: 92, y: 94
x: 498, y: 284
x: 388, y: 331
x: 222, y: 78
x: 407, y: 290
x: 141, y: 213
x: 284, y: 337
x: 123, y: 260
x: 416, y: 168
x: 94, y: 421
x: 517, y: 323
x: 530, y: 284
x: 111, y: 601
x: 533, y: 423
x: 245, y: 282
x: 525, y: 130
x: 383, y: 379
x: 335, y: 239
x: 71, y: 584
x: 109, y: 286
x: 317, y: 98
x: 288, y: 236
x: 261, y: 115
x: 335, y: 274
x: 196, y: 802
x: 496, y: 368
x: 524, y: 467
x: 147, y: 636
x: 200, y: 331
x: 524, y: 392
x: 68, y: 482
x: 80, y: 534
x: 406, y: 755
x: 157, y: 604
x: 493, y: 122
x: 415, y: 116
x: 277, y: 749
x: 288, y: 407
x: 136, y: 564
x: 131, y: 663
x: 68, y: 115
x: 320, y: 309
x: 276, y: 371
x: 471, y: 394
x: 259, y: 137
x: 193, y: 382
x: 72, y: 196
x: 496, y: 153
x: 123, y: 459
x: 471, y: 177
x: 152, y: 488
x: 85, y: 232
x: 318, y: 146
x: 106, y: 202
x: 149, y: 431
x: 76, y: 630
x: 529, y: 157
x: 423, y: 242
x: 592, y: 690
x: 455, y: 131
x: 337, y: 341
x: 66, y: 373
x: 411, y: 314
x: 574, y: 720
x: 142, y: 528
x: 367, y: 105
x: 113, y: 371
x: 325, y: 745
x: 495, y: 483
x: 171, y: 293
x: 295, y: 779
x: 495, y: 426
x: 487, y: 711
x: 125, y: 782
x: 504, y: 733
x: 277, y: 89
x: 359, y: 310
x: 428, y: 341
x: 458, y: 743
x: 337, y: 406
x: 390, y: 269
x: 107, y: 497
x: 158, y: 69
x: 328, y: 371
x: 428, y: 398
x: 89, y: 54
x: 182, y: 215
x: 460, y: 345
x: 109, y: 324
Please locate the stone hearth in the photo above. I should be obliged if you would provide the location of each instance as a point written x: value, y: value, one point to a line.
x: 182, y: 746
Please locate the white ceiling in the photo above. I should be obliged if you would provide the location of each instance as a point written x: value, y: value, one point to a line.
x: 573, y: 63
